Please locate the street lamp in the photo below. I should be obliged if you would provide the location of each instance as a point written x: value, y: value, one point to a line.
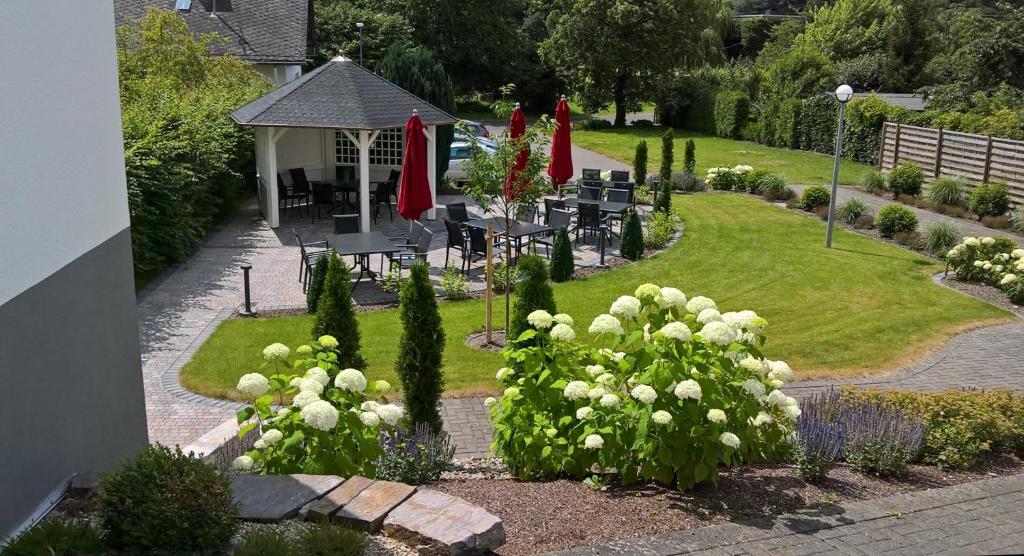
x: 359, y: 26
x: 843, y: 94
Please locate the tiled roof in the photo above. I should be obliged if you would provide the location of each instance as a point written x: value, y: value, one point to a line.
x: 261, y: 31
x: 342, y: 95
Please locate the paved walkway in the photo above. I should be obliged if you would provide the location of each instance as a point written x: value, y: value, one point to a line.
x: 983, y: 517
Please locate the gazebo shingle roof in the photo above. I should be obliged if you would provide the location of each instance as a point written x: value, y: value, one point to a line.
x: 342, y: 95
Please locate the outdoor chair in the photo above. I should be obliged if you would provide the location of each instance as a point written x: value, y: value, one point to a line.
x: 381, y: 196
x: 589, y: 219
x: 628, y: 186
x: 618, y: 196
x: 309, y: 252
x: 620, y: 175
x: 418, y: 253
x: 591, y: 174
x: 323, y: 195
x: 345, y: 177
x: 549, y: 205
x: 346, y: 223
x: 467, y: 241
x: 457, y: 212
x: 590, y: 193
x: 287, y: 195
x: 526, y: 213
x: 409, y: 241
x: 299, y: 180
x: 557, y: 218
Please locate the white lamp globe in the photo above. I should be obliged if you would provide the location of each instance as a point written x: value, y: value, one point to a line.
x: 844, y: 93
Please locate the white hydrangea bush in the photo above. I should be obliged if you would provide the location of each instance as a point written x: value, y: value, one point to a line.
x: 660, y: 395
x: 332, y: 423
x: 994, y: 261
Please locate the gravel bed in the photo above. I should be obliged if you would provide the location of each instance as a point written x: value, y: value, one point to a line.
x: 555, y: 515
x: 990, y: 294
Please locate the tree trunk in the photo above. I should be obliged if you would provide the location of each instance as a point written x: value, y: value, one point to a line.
x: 620, y: 102
x: 508, y: 273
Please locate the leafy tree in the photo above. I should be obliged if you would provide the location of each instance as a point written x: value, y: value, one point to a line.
x: 316, y: 283
x: 420, y: 349
x: 667, y: 148
x: 640, y: 164
x: 335, y: 316
x: 801, y: 72
x: 416, y: 71
x: 616, y: 51
x: 632, y: 245
x: 533, y: 292
x: 690, y: 158
x: 385, y: 22
x: 562, y: 263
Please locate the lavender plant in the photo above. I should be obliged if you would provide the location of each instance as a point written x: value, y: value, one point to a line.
x: 819, y: 436
x: 414, y: 457
x: 879, y: 439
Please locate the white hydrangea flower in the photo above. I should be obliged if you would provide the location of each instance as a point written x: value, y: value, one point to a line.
x: 753, y: 365
x: 283, y: 412
x: 540, y: 319
x: 369, y: 405
x: 381, y: 387
x: 650, y: 292
x: 671, y: 297
x: 609, y: 400
x: 320, y: 415
x: 351, y: 380
x: 754, y: 388
x: 677, y: 331
x: 644, y: 393
x: 369, y: 418
x: 311, y: 385
x: 596, y: 392
x: 305, y: 350
x: 647, y: 332
x: 972, y: 242
x: 709, y: 315
x: 716, y: 416
x: 661, y: 417
x: 699, y: 303
x: 1008, y: 279
x: 562, y: 318
x: 615, y: 356
x: 988, y: 240
x: 304, y: 398
x: 295, y: 382
x: 606, y: 379
x: 253, y: 385
x: 276, y: 351
x: 504, y: 372
x: 593, y: 442
x: 761, y: 419
x: 490, y: 401
x: 390, y: 413
x: 952, y: 253
x: 271, y: 437
x: 729, y: 439
x: 329, y: 342
x: 792, y: 411
x: 584, y: 412
x: 259, y: 444
x: 777, y: 397
x: 511, y: 391
x: 780, y: 371
x: 595, y: 370
x: 243, y: 463
x: 776, y: 383
x: 626, y: 306
x: 563, y: 332
x: 718, y: 333
x: 791, y: 401
x: 688, y: 389
x: 606, y: 324
x: 319, y: 375
x: 1017, y: 253
x: 576, y: 390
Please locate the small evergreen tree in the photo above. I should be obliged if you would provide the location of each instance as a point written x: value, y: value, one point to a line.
x: 663, y: 198
x: 335, y: 316
x: 533, y: 292
x: 316, y: 283
x: 667, y: 147
x: 632, y: 245
x: 420, y: 349
x: 690, y: 157
x: 639, y: 165
x: 562, y: 263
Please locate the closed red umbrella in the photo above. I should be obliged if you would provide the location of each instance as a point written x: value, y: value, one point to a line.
x: 516, y: 129
x: 414, y: 195
x: 560, y: 167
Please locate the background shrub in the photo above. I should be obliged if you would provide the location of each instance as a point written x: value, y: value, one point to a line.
x: 851, y: 210
x: 532, y: 293
x: 894, y: 219
x: 562, y: 262
x: 989, y: 199
x: 940, y: 238
x: 732, y: 110
x: 690, y: 158
x: 632, y: 244
x: 787, y: 124
x: 163, y: 501
x: 57, y: 537
x: 593, y: 124
x: 724, y: 179
x: 814, y: 196
x: 996, y: 222
x: 316, y: 283
x: 453, y: 284
x: 335, y: 315
x: 864, y: 222
x: 420, y: 349
x: 414, y: 457
x: 640, y: 163
x: 259, y: 542
x: 906, y: 178
x: 948, y: 191
x: 752, y: 179
x: 874, y: 182
x: 687, y: 183
x: 505, y: 277
x: 661, y: 228
x: 774, y: 188
x: 326, y: 539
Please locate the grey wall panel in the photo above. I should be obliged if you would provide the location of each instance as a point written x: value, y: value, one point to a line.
x: 71, y: 377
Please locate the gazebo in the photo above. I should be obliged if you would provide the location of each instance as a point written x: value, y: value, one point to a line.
x: 339, y: 114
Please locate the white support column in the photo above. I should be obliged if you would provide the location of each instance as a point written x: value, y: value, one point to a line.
x: 431, y: 133
x: 273, y: 203
x: 364, y: 180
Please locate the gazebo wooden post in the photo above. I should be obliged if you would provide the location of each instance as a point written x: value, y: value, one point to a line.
x: 431, y: 132
x: 364, y: 180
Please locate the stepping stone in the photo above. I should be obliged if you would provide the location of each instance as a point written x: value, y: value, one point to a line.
x: 327, y: 506
x: 435, y: 523
x: 369, y: 508
x: 277, y: 497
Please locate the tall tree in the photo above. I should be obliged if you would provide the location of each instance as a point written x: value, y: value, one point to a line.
x: 420, y: 349
x: 384, y: 23
x: 616, y: 51
x: 335, y: 315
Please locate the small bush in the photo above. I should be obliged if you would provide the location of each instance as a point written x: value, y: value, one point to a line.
x: 989, y: 199
x: 818, y: 442
x: 881, y: 440
x: 940, y: 238
x: 687, y: 183
x: 264, y: 543
x: 454, y: 284
x: 420, y: 349
x: 996, y: 222
x: 752, y: 179
x: 906, y: 179
x: 814, y: 197
x: 505, y: 277
x: 57, y: 538
x: 640, y: 163
x: 894, y: 219
x: 874, y: 182
x: 690, y: 158
x: 532, y: 293
x: 732, y: 110
x: 724, y: 179
x: 325, y: 539
x: 661, y: 228
x: 632, y: 244
x: 335, y: 315
x: 316, y: 284
x: 864, y: 222
x: 851, y: 210
x: 416, y: 457
x: 821, y: 212
x: 164, y: 501
x: 663, y: 198
x: 1017, y: 220
x: 562, y: 262
x: 948, y: 210
x: 594, y: 124
x: 774, y: 188
x: 642, y: 123
x: 948, y: 191
x: 667, y: 157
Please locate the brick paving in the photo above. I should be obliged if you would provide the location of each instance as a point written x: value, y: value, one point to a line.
x: 983, y: 517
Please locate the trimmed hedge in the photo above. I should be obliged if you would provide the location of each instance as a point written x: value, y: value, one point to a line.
x: 732, y: 110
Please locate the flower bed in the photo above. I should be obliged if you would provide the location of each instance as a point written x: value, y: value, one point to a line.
x: 993, y: 261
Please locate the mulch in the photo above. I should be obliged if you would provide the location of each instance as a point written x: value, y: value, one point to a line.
x: 991, y: 294
x: 555, y: 515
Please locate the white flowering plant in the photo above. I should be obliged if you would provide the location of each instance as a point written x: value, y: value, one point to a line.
x: 313, y: 416
x: 994, y: 261
x: 658, y: 396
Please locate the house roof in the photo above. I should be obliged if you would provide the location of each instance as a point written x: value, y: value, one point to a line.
x: 260, y: 31
x: 340, y: 94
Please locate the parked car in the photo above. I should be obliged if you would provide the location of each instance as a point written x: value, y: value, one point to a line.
x: 460, y: 153
x: 476, y: 132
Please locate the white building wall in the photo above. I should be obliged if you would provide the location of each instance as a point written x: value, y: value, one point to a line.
x: 279, y: 74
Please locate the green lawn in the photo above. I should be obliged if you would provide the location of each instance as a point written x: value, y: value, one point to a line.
x: 862, y: 306
x: 799, y: 167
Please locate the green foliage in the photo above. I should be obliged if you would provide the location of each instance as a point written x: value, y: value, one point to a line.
x: 968, y: 259
x: 384, y: 24
x: 454, y: 284
x: 415, y: 457
x: 327, y: 539
x: 787, y: 126
x: 853, y: 32
x: 335, y: 315
x: 774, y: 187
x: 259, y: 542
x: 71, y: 538
x: 687, y: 102
x: 632, y: 244
x: 852, y: 210
x: 906, y: 178
x: 186, y: 161
x: 1017, y: 219
x: 592, y: 124
x: 814, y: 196
x: 667, y: 148
x: 732, y: 110
x: 663, y: 198
x: 810, y: 467
x: 562, y: 263
x: 752, y: 179
x: 506, y: 277
x: 420, y: 349
x: 989, y: 199
x: 941, y: 237
x: 874, y: 182
x: 725, y: 179
x: 819, y: 118
x: 896, y: 219
x: 690, y: 158
x: 802, y: 72
x: 316, y: 284
x: 661, y: 227
x: 533, y: 292
x: 166, y: 502
x: 640, y: 164
x: 862, y: 133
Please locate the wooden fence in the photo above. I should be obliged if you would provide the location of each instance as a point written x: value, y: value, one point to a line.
x: 976, y: 158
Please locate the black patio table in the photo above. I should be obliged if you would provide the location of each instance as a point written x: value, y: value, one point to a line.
x: 606, y: 207
x: 517, y: 231
x: 346, y: 188
x: 362, y: 245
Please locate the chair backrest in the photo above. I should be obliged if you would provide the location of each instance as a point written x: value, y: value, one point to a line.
x: 323, y: 194
x: 591, y: 174
x: 345, y: 174
x: 383, y: 192
x: 346, y: 223
x: 550, y: 205
x: 526, y: 213
x: 394, y: 176
x: 415, y: 231
x: 589, y: 214
x: 620, y: 175
x: 618, y: 195
x: 477, y: 240
x: 457, y: 212
x: 298, y: 176
x: 590, y: 193
x: 423, y: 242
x: 592, y: 183
x: 559, y: 218
x: 282, y: 188
x: 455, y: 237
x: 628, y: 186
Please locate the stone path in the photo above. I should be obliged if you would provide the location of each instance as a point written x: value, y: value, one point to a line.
x: 983, y: 517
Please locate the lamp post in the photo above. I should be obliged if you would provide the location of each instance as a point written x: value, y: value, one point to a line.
x: 359, y: 26
x: 843, y: 94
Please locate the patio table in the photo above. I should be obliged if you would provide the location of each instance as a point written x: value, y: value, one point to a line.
x: 361, y: 246
x: 606, y: 207
x: 517, y: 231
x: 346, y: 188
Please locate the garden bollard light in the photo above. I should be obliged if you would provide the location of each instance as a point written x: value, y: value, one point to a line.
x: 604, y: 230
x: 247, y: 312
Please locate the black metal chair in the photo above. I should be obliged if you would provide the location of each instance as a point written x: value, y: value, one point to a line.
x: 288, y: 194
x: 346, y: 223
x: 552, y: 204
x: 323, y: 195
x: 628, y: 186
x: 456, y: 212
x: 418, y: 253
x: 381, y: 196
x: 591, y: 174
x: 620, y: 175
x: 298, y: 176
x: 307, y: 262
x: 410, y: 240
x: 345, y: 177
x: 456, y: 238
x: 590, y: 193
x: 589, y: 219
x: 526, y: 213
x: 557, y: 218
x: 618, y: 196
